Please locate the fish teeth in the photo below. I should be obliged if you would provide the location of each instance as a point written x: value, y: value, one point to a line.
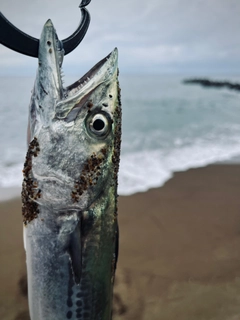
x: 80, y: 86
x: 62, y: 75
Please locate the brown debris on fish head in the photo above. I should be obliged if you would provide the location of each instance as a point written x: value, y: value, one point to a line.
x: 89, y: 175
x: 30, y: 193
x: 117, y: 142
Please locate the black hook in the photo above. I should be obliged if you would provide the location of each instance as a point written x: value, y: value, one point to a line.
x: 15, y: 39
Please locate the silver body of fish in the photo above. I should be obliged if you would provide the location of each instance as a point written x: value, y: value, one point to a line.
x: 69, y: 190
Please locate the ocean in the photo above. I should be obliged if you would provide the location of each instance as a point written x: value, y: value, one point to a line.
x: 167, y: 126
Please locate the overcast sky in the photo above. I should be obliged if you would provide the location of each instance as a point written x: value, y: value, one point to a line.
x: 153, y: 36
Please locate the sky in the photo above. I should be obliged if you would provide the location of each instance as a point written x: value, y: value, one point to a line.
x: 197, y: 37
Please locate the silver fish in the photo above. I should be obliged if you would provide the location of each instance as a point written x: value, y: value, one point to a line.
x: 69, y: 190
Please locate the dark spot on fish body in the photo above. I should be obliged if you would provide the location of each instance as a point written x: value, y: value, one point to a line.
x: 50, y: 50
x: 69, y: 315
x: 79, y: 310
x: 79, y: 302
x: 89, y: 104
x: 70, y: 291
x: 69, y: 302
x: 49, y: 42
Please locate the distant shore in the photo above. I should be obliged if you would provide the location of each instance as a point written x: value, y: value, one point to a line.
x: 213, y: 83
x: 179, y: 250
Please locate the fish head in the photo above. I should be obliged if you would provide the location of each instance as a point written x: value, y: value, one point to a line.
x: 76, y: 129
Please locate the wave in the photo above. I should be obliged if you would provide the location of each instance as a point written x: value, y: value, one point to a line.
x: 140, y: 171
x: 171, y: 129
x: 11, y: 175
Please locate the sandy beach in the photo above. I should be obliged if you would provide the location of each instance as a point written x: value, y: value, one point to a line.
x: 179, y: 251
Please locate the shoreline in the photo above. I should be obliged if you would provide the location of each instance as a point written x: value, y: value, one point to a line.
x: 12, y: 193
x: 179, y: 250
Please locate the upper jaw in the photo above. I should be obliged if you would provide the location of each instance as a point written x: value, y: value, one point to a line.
x: 50, y: 59
x: 102, y: 72
x: 48, y: 83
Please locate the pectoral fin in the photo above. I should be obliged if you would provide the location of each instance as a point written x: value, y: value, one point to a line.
x: 75, y: 253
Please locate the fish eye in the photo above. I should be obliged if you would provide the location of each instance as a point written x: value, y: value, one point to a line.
x: 99, y: 124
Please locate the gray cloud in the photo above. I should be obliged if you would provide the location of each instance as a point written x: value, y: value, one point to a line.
x: 152, y: 36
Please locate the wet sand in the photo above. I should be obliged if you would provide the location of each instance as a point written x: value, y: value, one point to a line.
x: 179, y: 251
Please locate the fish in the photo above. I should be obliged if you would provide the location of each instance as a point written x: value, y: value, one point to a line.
x: 69, y: 190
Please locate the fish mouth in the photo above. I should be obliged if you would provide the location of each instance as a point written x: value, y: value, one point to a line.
x: 77, y: 93
x: 107, y: 64
x: 50, y: 99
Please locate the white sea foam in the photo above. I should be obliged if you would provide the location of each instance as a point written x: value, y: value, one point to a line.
x: 11, y: 176
x: 140, y: 171
x: 167, y: 127
x: 143, y: 170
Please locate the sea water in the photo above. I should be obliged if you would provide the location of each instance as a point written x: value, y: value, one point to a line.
x: 167, y: 126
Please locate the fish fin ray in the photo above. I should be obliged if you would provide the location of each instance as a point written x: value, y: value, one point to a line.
x: 75, y: 253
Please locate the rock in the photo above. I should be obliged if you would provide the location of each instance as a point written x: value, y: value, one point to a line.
x: 215, y: 84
